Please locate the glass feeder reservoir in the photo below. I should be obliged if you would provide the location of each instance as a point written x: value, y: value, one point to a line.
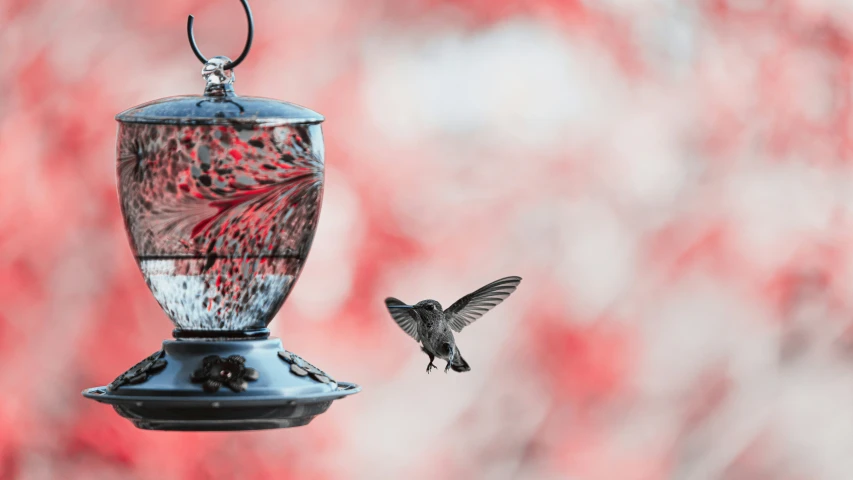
x: 220, y: 196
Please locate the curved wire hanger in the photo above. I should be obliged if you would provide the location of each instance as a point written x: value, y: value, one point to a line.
x: 248, y: 46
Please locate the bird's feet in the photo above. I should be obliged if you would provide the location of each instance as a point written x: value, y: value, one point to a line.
x: 430, y: 366
x: 446, y: 368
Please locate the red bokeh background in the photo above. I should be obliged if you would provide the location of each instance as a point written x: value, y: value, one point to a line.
x: 672, y: 180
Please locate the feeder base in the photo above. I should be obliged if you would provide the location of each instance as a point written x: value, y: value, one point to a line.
x: 208, y: 385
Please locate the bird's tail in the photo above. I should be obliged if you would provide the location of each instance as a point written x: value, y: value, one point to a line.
x: 459, y: 364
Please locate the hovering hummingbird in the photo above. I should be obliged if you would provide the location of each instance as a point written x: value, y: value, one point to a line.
x: 431, y: 326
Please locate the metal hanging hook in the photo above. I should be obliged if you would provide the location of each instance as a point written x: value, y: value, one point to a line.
x: 245, y: 49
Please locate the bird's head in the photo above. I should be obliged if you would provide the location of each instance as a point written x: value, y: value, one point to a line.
x: 427, y: 307
x: 430, y: 306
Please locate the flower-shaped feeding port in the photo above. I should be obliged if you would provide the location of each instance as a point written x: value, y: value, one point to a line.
x: 140, y: 372
x: 231, y: 372
x: 301, y: 367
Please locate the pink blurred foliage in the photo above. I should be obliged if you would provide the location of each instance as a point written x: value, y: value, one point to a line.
x: 672, y: 180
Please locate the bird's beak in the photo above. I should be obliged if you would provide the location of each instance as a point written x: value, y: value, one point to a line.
x: 401, y: 306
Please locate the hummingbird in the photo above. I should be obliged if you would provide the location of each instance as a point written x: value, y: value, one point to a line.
x: 433, y: 327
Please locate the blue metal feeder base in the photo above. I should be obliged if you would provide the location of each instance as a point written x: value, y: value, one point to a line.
x: 197, y: 384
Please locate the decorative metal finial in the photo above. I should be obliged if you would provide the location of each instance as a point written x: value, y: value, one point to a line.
x: 218, y: 77
x: 230, y: 65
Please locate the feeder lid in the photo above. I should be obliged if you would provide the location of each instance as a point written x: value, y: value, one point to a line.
x: 224, y: 110
x: 219, y: 106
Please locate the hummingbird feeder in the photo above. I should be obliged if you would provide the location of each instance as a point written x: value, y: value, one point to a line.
x: 220, y: 196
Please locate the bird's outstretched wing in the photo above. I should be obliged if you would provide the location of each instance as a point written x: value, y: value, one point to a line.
x: 405, y: 318
x: 474, y: 305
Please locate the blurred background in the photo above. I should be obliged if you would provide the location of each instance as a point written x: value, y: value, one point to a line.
x: 673, y: 180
